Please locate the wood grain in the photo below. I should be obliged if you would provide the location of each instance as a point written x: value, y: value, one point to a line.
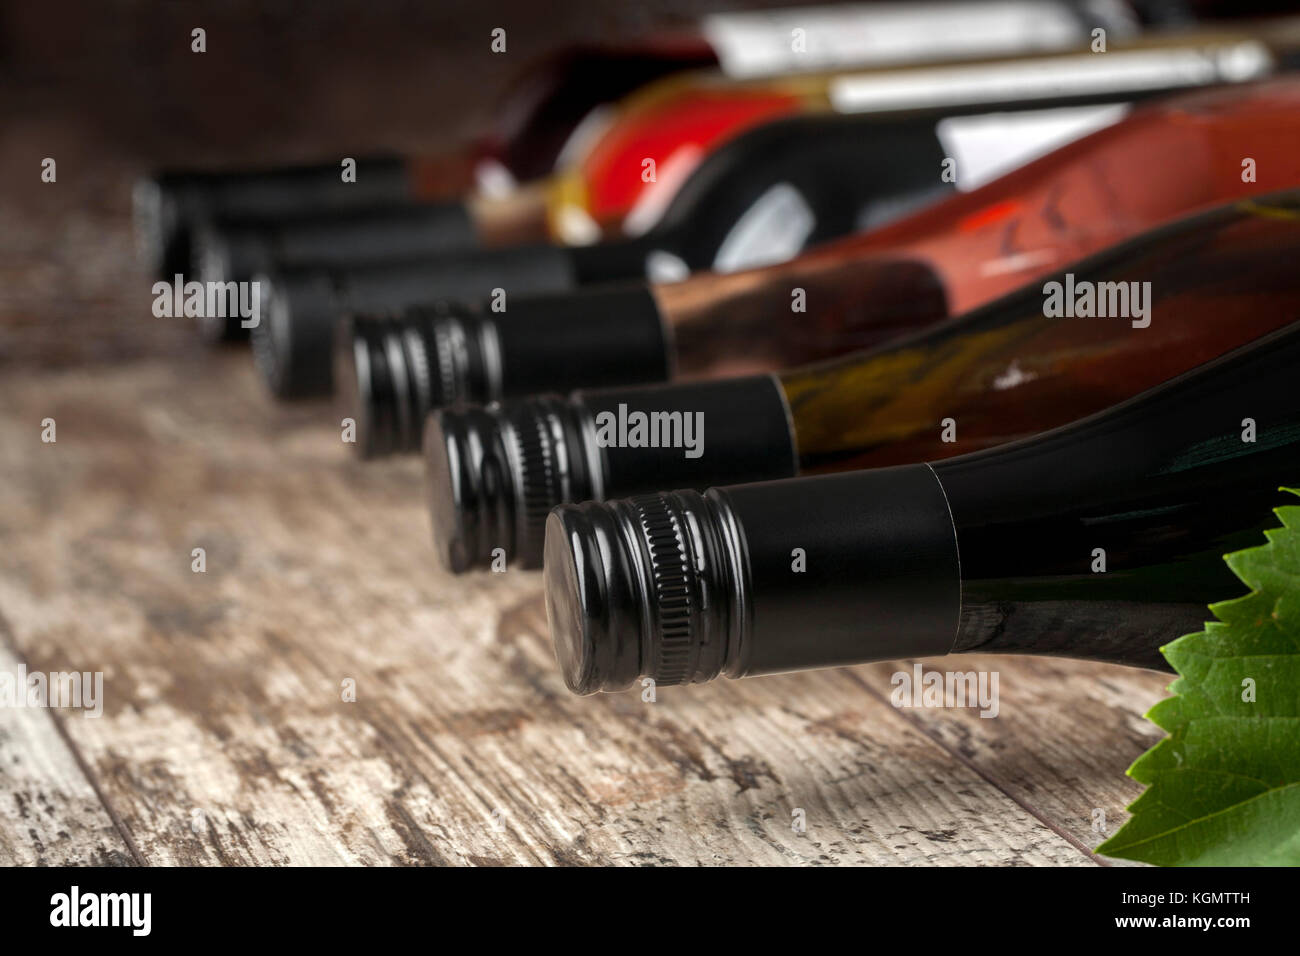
x: 225, y: 737
x: 1064, y: 733
x: 50, y: 815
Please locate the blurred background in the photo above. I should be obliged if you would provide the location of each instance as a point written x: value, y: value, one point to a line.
x: 112, y: 91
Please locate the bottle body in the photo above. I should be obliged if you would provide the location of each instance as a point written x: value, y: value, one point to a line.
x: 821, y: 159
x: 613, y: 184
x: 1037, y: 359
x: 1192, y: 291
x: 1163, y: 161
x: 1159, y: 162
x: 1102, y: 539
x: 622, y: 181
x: 540, y: 112
x: 552, y: 108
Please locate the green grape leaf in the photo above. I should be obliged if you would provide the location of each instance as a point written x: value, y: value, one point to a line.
x: 1223, y: 789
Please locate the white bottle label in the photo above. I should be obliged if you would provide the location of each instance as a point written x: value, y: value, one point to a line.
x: 1076, y: 74
x: 765, y: 42
x: 993, y: 144
x: 663, y: 266
x: 774, y: 229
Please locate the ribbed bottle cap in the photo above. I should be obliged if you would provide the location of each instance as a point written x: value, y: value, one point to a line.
x: 210, y: 261
x: 639, y: 587
x: 294, y: 337
x: 391, y: 371
x: 360, y: 386
x: 591, y: 609
x: 159, y: 236
x: 672, y: 578
x: 494, y: 474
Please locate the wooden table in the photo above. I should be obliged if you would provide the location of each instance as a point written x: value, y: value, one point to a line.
x: 225, y: 738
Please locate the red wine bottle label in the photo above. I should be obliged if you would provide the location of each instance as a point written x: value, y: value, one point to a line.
x: 655, y: 198
x: 776, y: 42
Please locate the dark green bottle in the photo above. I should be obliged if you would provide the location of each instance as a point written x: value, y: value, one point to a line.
x: 1102, y: 539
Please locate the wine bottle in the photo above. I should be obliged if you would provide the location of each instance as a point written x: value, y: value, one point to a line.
x: 603, y: 192
x: 749, y: 203
x: 562, y: 95
x: 543, y: 106
x: 1138, y: 314
x: 1161, y: 161
x: 677, y: 118
x: 814, y: 174
x: 1102, y: 540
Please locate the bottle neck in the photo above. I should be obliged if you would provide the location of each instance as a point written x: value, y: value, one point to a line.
x: 514, y: 219
x: 496, y: 472
x: 691, y: 587
x: 393, y: 370
x: 616, y: 260
x: 1096, y: 540
x: 821, y: 304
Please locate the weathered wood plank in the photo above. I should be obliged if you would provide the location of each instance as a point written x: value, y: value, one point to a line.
x: 1062, y: 737
x: 225, y: 738
x: 49, y: 812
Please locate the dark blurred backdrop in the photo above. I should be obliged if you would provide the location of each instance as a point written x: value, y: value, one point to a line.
x: 111, y: 90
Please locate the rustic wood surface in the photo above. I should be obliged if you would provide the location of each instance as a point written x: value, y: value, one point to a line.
x: 225, y: 738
